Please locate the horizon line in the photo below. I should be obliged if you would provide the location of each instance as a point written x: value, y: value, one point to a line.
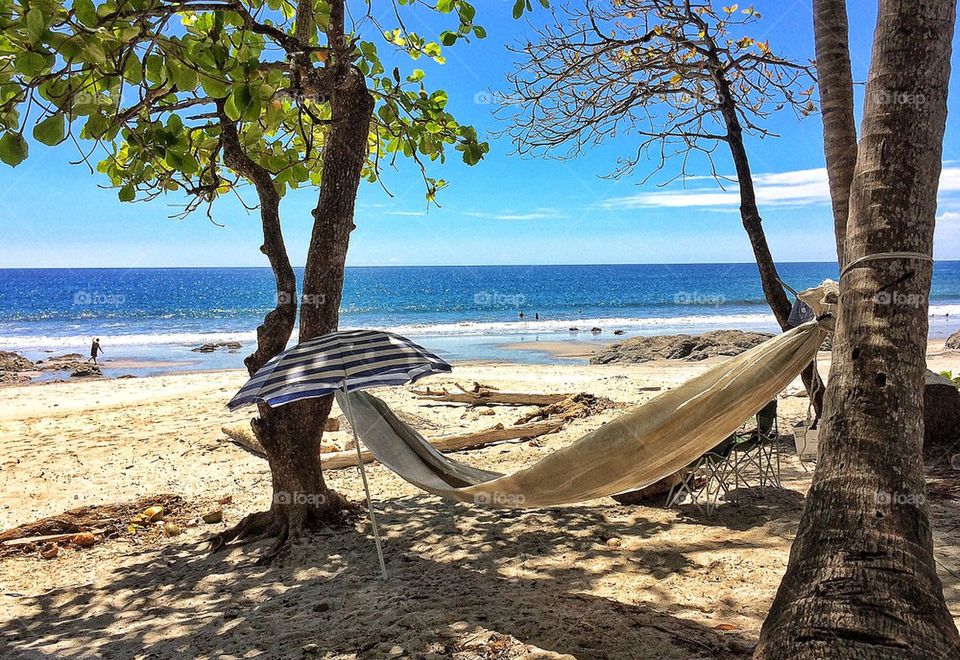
x: 685, y: 263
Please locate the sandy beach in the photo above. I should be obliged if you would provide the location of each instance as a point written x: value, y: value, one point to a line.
x: 595, y: 580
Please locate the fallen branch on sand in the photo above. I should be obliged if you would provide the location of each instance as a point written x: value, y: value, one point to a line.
x: 484, y: 395
x: 341, y: 459
x: 98, y: 519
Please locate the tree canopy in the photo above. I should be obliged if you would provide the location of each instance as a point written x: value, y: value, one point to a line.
x: 136, y: 84
x: 663, y: 71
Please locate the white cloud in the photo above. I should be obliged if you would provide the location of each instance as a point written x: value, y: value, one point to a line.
x: 794, y: 188
x: 535, y: 214
x: 406, y: 213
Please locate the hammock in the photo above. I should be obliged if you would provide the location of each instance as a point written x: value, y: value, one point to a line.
x: 636, y: 449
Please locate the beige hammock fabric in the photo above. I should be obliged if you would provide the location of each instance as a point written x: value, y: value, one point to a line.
x: 634, y: 450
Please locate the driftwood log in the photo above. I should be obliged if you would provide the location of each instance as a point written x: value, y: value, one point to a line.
x: 243, y: 438
x: 484, y: 395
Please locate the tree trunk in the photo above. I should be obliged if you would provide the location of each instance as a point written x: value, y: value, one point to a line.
x: 836, y: 100
x: 753, y: 224
x: 300, y: 496
x: 291, y: 434
x: 861, y: 581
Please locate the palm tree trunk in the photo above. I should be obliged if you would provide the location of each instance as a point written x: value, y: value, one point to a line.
x: 836, y: 99
x: 861, y: 581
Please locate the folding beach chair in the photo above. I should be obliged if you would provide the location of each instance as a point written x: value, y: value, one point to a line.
x: 705, y: 479
x: 754, y: 458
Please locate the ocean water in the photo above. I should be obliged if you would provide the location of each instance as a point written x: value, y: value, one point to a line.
x: 149, y: 319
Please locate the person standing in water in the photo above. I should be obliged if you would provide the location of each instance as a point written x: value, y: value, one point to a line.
x: 95, y: 350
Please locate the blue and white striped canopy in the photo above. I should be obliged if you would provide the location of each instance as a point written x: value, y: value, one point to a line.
x: 348, y: 360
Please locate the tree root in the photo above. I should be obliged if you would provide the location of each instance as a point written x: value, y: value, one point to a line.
x: 285, y: 524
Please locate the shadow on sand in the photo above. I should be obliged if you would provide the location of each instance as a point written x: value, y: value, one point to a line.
x: 464, y: 582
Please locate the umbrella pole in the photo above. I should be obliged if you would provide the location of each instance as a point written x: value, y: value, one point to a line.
x: 366, y: 488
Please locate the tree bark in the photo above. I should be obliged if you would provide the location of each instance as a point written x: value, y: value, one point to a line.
x: 861, y: 581
x: 835, y: 80
x: 753, y: 224
x: 291, y: 434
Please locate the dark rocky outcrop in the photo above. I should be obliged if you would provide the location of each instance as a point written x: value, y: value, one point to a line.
x: 15, y: 369
x: 14, y: 363
x: 86, y: 370
x: 68, y: 362
x: 212, y: 346
x: 719, y: 343
x: 953, y: 341
x: 941, y: 419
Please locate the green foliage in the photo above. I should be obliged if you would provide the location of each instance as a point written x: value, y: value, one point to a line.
x: 949, y: 376
x: 140, y: 80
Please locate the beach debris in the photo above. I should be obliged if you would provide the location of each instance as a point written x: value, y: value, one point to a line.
x: 171, y: 529
x: 49, y: 550
x: 54, y: 538
x: 212, y: 346
x: 213, y: 517
x: 84, y: 539
x: 76, y: 527
x: 484, y: 395
x: 332, y: 424
x: 718, y: 343
x: 614, y: 543
x: 311, y: 649
x: 576, y: 406
x: 242, y: 436
x: 228, y: 499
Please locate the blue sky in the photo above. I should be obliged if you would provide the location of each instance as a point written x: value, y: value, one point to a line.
x: 506, y: 210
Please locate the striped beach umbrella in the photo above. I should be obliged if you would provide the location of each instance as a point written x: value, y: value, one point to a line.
x: 348, y: 360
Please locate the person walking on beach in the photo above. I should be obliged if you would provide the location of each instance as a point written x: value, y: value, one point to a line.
x: 95, y: 350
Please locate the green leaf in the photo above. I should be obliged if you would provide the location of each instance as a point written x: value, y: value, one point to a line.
x: 13, y: 149
x: 86, y: 12
x: 449, y: 38
x: 518, y: 8
x: 51, y: 131
x: 30, y: 64
x: 36, y: 25
x: 127, y: 194
x: 214, y: 87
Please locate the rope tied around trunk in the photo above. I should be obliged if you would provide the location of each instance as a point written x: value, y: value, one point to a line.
x: 885, y: 255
